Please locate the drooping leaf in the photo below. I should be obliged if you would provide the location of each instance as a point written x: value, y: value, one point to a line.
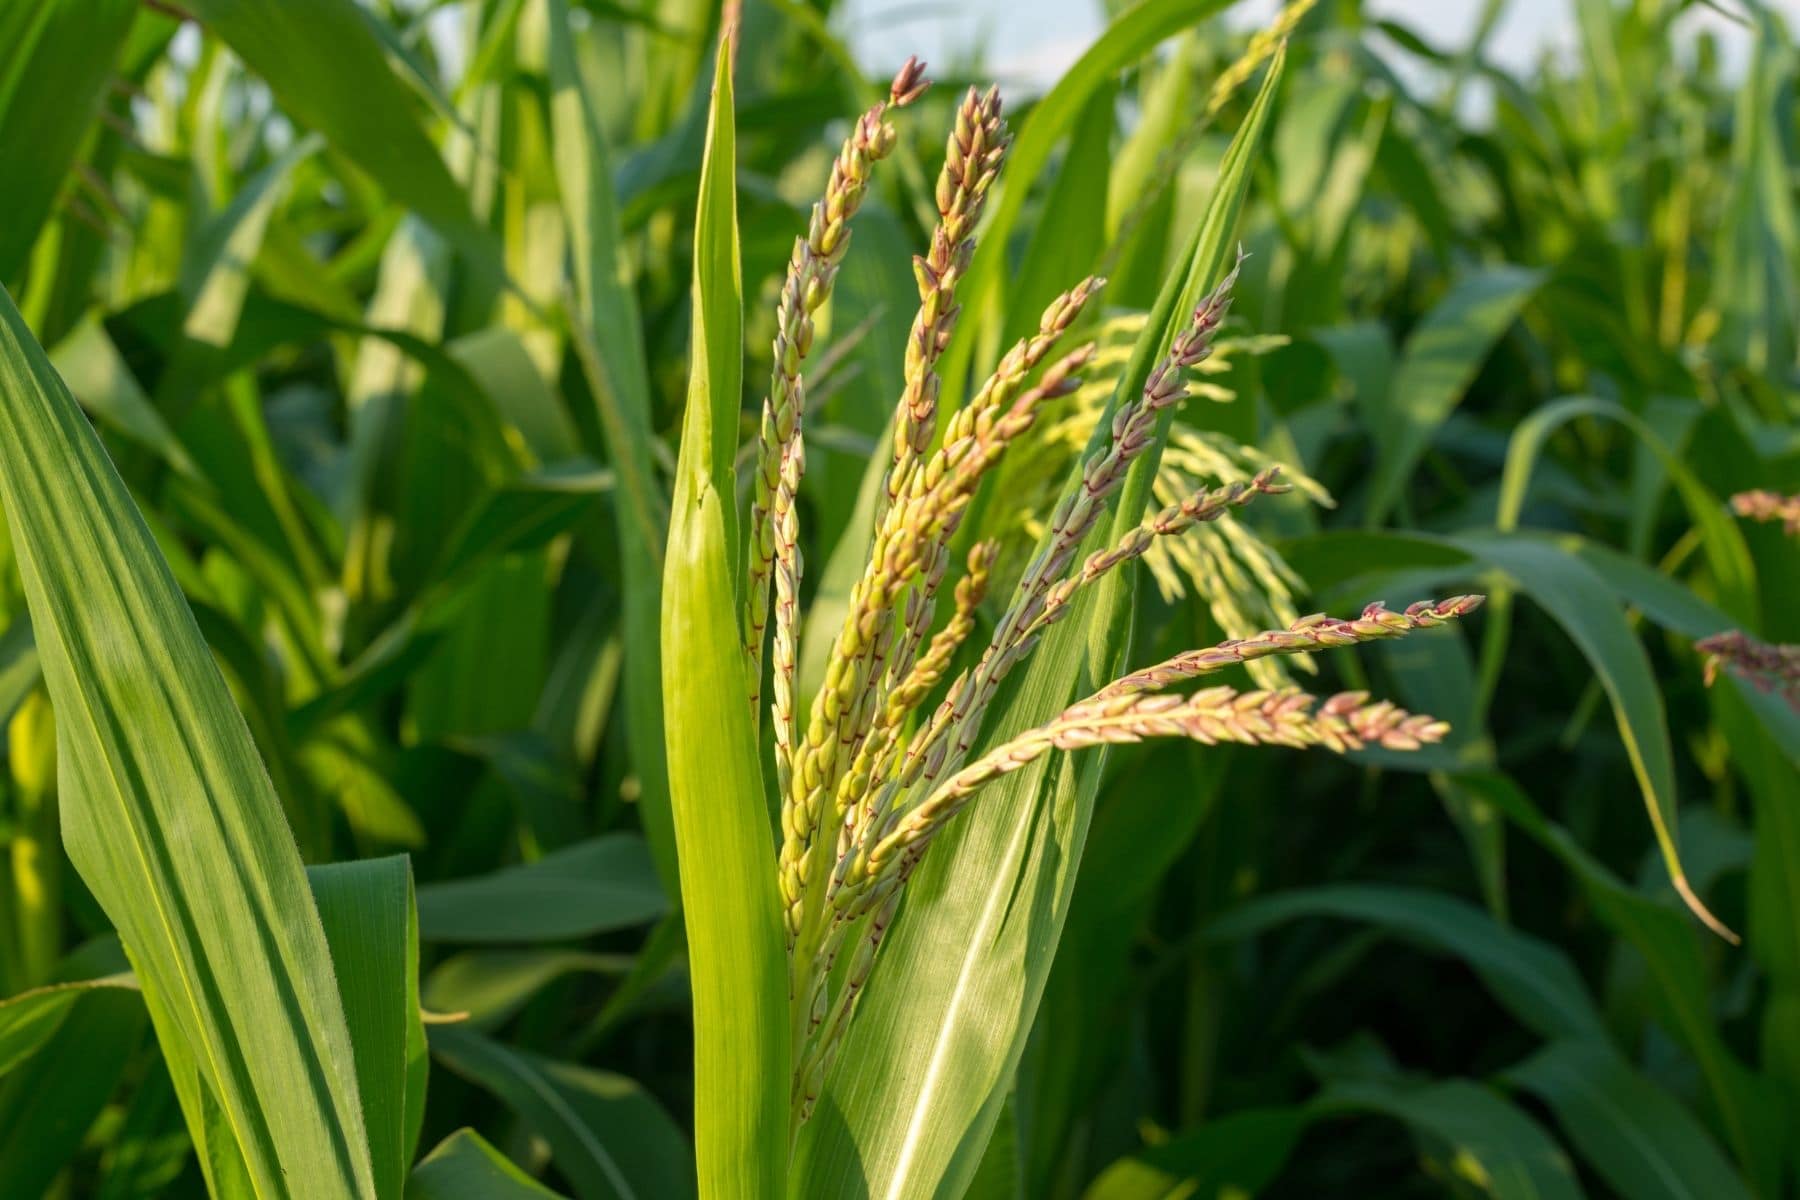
x: 1537, y: 982
x: 1579, y: 600
x: 1637, y: 1135
x: 1483, y: 1141
x: 32, y: 1018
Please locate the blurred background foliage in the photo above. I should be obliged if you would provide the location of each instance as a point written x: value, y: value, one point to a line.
x: 318, y: 275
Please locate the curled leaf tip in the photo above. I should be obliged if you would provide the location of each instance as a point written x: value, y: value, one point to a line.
x: 1699, y: 909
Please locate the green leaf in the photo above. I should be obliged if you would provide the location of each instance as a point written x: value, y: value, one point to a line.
x: 1677, y: 974
x: 329, y: 71
x: 609, y: 343
x: 490, y: 985
x: 373, y: 932
x: 939, y: 1029
x: 601, y: 884
x: 92, y: 367
x: 1645, y: 1144
x: 1719, y: 536
x: 32, y: 1018
x: 1680, y: 611
x: 735, y: 945
x: 1436, y: 367
x: 51, y: 91
x: 1483, y: 1141
x: 217, y: 921
x: 1535, y: 981
x: 521, y: 514
x: 610, y: 1139
x: 1235, y: 1155
x: 465, y: 1167
x: 47, y: 1104
x: 1578, y: 599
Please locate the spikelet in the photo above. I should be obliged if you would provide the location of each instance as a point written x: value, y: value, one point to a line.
x: 1769, y: 667
x: 1761, y: 505
x: 812, y: 270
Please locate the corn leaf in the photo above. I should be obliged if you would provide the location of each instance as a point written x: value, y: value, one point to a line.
x: 330, y: 73
x: 373, y: 931
x: 32, y: 1018
x: 593, y: 886
x: 90, y: 364
x: 63, y: 49
x: 1636, y: 1135
x: 1436, y: 367
x: 939, y: 1030
x: 735, y: 947
x: 610, y: 1139
x: 1487, y: 1143
x: 168, y: 813
x: 48, y: 1103
x: 1720, y: 539
x: 465, y: 1167
x: 1579, y: 600
x: 609, y: 341
x: 1535, y: 981
x: 491, y: 985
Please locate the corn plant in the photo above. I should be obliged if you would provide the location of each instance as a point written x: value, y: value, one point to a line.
x: 570, y: 615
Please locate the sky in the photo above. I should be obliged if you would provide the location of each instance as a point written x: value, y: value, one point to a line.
x: 1030, y: 43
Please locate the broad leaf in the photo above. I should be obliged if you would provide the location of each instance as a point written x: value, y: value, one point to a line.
x: 611, y: 1140
x: 465, y: 1167
x: 591, y: 887
x: 167, y: 811
x: 1645, y: 1143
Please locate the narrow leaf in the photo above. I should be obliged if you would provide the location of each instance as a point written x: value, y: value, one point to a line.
x: 735, y: 945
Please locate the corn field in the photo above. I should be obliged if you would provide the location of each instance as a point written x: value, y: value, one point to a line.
x: 603, y: 600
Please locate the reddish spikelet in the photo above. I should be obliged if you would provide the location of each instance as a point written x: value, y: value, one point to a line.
x: 1770, y: 667
x: 1761, y: 505
x: 869, y: 785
